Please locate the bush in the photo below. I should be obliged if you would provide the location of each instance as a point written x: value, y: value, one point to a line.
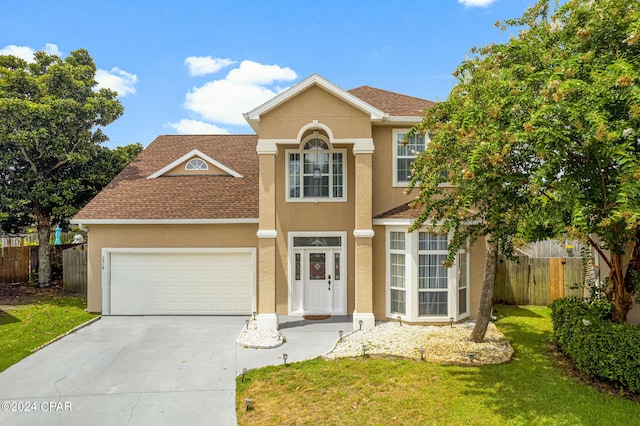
x: 597, y: 346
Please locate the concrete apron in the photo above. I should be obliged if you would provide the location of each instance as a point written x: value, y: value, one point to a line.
x: 148, y: 370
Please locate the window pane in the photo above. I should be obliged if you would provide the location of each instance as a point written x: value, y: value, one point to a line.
x: 462, y: 270
x: 316, y: 144
x: 405, y: 154
x: 297, y: 266
x: 317, y: 241
x: 397, y: 270
x: 294, y: 175
x: 336, y: 266
x: 196, y: 164
x: 398, y: 301
x: 316, y: 161
x: 431, y: 272
x: 462, y: 283
x: 432, y: 303
x: 396, y: 240
x: 316, y: 187
x: 430, y: 241
x: 337, y: 175
x: 403, y: 170
x: 462, y: 301
x: 317, y: 270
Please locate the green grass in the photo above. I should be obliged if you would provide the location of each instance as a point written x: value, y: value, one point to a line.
x: 25, y: 327
x: 529, y: 390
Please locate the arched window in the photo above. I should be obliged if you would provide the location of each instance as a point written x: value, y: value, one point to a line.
x: 316, y: 171
x: 196, y: 164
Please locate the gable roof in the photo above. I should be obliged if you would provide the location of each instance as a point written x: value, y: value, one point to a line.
x: 392, y: 103
x: 195, y: 153
x: 253, y: 116
x: 131, y: 197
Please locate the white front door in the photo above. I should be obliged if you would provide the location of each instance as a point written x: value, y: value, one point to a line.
x: 318, y: 288
x: 317, y: 277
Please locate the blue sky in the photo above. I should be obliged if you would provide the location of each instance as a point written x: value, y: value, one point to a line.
x: 195, y: 66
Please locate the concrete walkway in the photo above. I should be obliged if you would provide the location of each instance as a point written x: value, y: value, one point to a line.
x: 148, y: 371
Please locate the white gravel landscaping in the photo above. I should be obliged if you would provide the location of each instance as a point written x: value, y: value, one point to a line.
x: 442, y: 344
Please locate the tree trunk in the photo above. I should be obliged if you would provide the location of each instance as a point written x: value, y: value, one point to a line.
x: 44, y: 249
x: 631, y: 277
x: 488, y: 283
x: 621, y: 300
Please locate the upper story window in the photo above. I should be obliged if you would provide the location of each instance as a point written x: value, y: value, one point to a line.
x: 404, y: 154
x: 316, y: 172
x: 196, y: 164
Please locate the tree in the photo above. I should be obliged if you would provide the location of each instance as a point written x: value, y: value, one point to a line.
x: 50, y: 137
x: 468, y: 183
x: 540, y: 137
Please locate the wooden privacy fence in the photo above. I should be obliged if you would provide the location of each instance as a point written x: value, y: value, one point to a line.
x: 14, y: 264
x: 537, y: 281
x: 74, y: 269
x: 17, y: 263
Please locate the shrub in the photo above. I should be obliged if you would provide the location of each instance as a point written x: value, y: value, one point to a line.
x: 597, y: 346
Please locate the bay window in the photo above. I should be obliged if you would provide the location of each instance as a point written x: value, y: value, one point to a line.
x: 420, y: 287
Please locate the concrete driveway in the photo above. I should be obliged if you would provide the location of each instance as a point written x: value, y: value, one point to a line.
x: 146, y: 371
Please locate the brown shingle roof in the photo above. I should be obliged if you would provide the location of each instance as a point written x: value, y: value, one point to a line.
x: 132, y: 196
x: 403, y: 211
x: 394, y: 104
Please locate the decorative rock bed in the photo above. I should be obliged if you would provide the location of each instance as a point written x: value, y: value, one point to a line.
x: 441, y: 344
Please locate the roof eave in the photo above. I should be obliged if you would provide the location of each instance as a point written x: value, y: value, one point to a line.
x: 410, y: 120
x: 253, y: 116
x: 80, y: 221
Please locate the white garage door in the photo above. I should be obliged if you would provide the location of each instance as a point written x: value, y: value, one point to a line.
x: 179, y: 283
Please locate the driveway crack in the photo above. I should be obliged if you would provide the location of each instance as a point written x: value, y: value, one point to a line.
x: 95, y: 377
x: 133, y: 409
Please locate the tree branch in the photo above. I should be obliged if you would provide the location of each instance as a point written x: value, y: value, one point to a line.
x: 600, y: 252
x: 26, y: 157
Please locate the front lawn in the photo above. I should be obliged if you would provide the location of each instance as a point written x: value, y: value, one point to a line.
x: 29, y: 324
x: 531, y: 389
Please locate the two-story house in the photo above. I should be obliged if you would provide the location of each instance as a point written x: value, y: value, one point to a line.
x: 307, y: 216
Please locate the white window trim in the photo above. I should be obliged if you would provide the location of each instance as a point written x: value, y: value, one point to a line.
x: 406, y: 254
x: 206, y: 165
x: 468, y: 270
x: 411, y: 281
x: 451, y: 275
x: 394, y: 155
x: 331, y: 151
x: 343, y: 266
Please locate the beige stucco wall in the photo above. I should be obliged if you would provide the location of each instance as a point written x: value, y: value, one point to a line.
x: 165, y: 236
x: 285, y: 121
x: 386, y: 196
x: 311, y: 216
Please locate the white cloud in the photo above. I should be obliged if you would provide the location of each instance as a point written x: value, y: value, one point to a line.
x: 195, y: 127
x: 52, y: 49
x: 244, y: 88
x: 118, y: 80
x: 203, y: 65
x: 26, y: 52
x: 251, y: 72
x: 479, y: 3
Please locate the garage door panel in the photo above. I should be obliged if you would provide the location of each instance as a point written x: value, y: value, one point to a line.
x: 181, y: 283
